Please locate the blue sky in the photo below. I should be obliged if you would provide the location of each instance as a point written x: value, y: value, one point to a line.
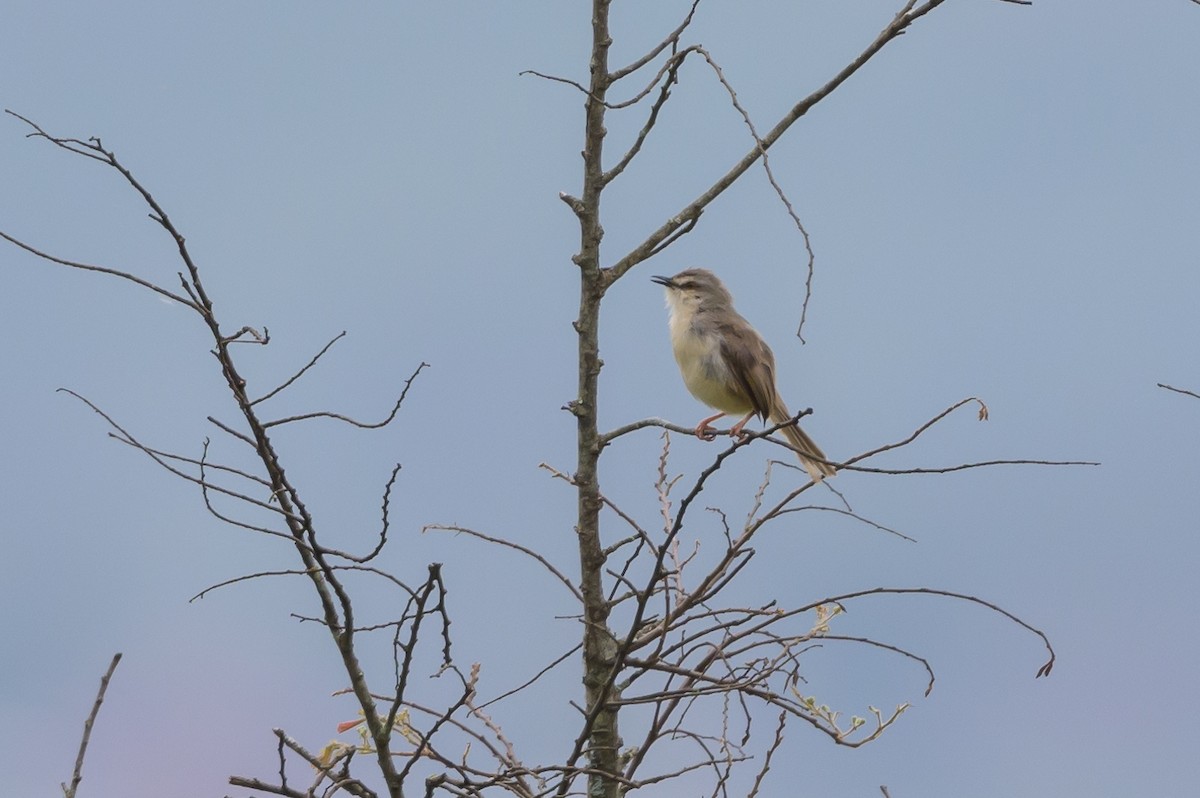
x: 1003, y: 204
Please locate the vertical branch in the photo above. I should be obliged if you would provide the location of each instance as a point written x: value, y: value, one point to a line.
x: 599, y: 739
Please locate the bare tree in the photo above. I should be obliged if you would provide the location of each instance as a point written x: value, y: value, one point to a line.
x: 692, y: 648
x: 675, y: 674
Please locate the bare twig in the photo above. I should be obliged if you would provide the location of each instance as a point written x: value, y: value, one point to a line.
x: 385, y: 524
x: 232, y: 432
x: 361, y: 424
x: 850, y: 514
x: 787, y: 203
x: 895, y: 649
x: 246, y: 578
x: 964, y: 466
x: 300, y: 373
x: 509, y: 544
x: 196, y: 462
x: 102, y: 269
x: 1044, y: 670
x: 248, y: 335
x: 558, y: 661
x: 426, y: 737
x: 265, y: 786
x: 1171, y: 388
x: 89, y: 149
x: 162, y: 461
x: 766, y: 766
x: 220, y: 516
x: 983, y: 414
x: 77, y: 773
x: 671, y: 40
x: 554, y: 79
x: 671, y: 69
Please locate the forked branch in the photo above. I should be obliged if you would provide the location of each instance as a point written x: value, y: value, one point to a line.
x: 690, y: 212
x: 337, y: 611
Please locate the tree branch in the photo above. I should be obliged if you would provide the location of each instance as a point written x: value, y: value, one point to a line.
x: 691, y: 212
x: 77, y: 773
x: 1168, y: 387
x: 360, y: 424
x: 102, y: 269
x: 300, y: 373
x: 516, y: 547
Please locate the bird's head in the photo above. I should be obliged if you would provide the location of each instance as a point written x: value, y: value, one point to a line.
x: 695, y: 289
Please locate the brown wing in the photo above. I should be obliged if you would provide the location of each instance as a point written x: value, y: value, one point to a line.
x: 752, y: 364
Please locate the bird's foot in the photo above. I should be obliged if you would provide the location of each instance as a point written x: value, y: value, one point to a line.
x: 704, y: 430
x: 737, y: 431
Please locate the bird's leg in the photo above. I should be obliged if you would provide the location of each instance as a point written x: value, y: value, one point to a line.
x: 736, y: 430
x: 704, y: 431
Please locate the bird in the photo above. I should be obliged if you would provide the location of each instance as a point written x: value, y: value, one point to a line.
x: 727, y: 365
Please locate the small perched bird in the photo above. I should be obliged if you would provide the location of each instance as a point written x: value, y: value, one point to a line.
x: 726, y: 364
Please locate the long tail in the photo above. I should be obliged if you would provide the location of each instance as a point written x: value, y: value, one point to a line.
x: 806, y: 448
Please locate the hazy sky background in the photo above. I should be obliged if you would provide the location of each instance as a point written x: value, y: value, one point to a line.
x: 1003, y: 204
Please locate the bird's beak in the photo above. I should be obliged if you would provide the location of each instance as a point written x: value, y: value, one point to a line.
x: 667, y: 281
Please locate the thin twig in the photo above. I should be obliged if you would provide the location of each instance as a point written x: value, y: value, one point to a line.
x: 671, y: 69
x: 983, y: 414
x: 963, y: 466
x: 246, y: 578
x: 208, y: 504
x: 385, y: 525
x: 887, y: 647
x: 779, y: 192
x: 530, y: 681
x: 671, y: 39
x: 231, y: 431
x: 850, y: 514
x: 248, y: 335
x: 1044, y: 670
x: 762, y: 772
x: 77, y: 774
x: 300, y: 373
x: 162, y: 461
x: 1168, y: 387
x: 102, y: 269
x: 360, y: 424
x: 555, y: 79
x: 509, y: 544
x: 193, y: 461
